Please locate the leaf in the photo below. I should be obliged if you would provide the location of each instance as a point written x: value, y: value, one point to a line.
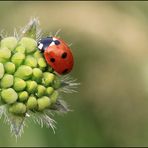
x: 68, y: 84
x: 43, y: 119
x: 60, y: 106
x: 32, y: 29
x: 16, y: 123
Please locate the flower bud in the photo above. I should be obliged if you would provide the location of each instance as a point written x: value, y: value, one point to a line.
x: 17, y: 108
x: 20, y: 49
x: 43, y: 103
x: 31, y: 103
x: 19, y: 84
x: 6, y: 81
x: 23, y: 96
x: 29, y: 44
x: 54, y: 97
x: 38, y: 54
x: 9, y: 42
x: 41, y: 90
x: 30, y: 61
x: 9, y: 95
x: 24, y: 72
x: 9, y: 67
x: 31, y: 86
x: 5, y: 54
x: 37, y: 75
x: 2, y: 71
x: 49, y: 90
x: 18, y: 58
x: 48, y: 78
x: 42, y: 63
x: 56, y: 83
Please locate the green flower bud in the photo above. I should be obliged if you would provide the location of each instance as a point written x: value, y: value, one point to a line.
x: 20, y: 49
x: 18, y: 58
x: 19, y: 84
x: 5, y: 54
x: 9, y: 67
x: 6, y: 81
x: 9, y: 95
x: 32, y: 103
x: 2, y: 71
x: 54, y: 97
x: 56, y: 83
x: 48, y: 78
x: 41, y: 90
x: 37, y: 75
x: 9, y: 42
x: 43, y: 103
x: 24, y: 72
x: 17, y: 108
x: 23, y: 96
x: 42, y: 63
x: 29, y: 44
x: 30, y: 61
x: 31, y: 86
x: 49, y: 90
x: 38, y: 54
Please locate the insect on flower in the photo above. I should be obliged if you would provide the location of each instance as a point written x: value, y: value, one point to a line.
x: 29, y: 88
x: 57, y: 54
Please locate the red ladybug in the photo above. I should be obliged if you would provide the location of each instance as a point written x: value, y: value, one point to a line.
x: 57, y: 54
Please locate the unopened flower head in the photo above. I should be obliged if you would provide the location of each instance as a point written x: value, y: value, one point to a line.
x: 29, y: 87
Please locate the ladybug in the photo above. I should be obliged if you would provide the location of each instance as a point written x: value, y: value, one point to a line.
x: 57, y: 54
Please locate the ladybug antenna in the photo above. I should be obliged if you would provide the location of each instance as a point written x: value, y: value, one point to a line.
x: 57, y: 32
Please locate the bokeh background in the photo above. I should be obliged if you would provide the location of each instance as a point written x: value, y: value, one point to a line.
x: 110, y: 46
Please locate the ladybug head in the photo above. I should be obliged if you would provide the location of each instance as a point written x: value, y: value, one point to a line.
x: 46, y: 42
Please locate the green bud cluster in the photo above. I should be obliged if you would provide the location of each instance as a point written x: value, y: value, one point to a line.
x: 27, y: 82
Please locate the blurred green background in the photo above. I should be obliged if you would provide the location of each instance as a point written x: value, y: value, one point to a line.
x: 110, y: 46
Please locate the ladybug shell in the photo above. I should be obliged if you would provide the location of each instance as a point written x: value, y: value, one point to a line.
x: 59, y: 57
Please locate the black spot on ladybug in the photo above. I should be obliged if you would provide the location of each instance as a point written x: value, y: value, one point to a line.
x: 65, y: 71
x: 52, y: 60
x: 57, y: 42
x: 64, y: 55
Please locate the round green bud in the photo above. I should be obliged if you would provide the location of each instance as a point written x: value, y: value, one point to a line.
x: 19, y: 84
x: 24, y: 72
x: 23, y: 96
x: 2, y: 71
x: 17, y: 108
x: 18, y: 58
x: 43, y: 103
x: 48, y: 78
x: 9, y: 67
x: 20, y: 49
x: 9, y: 95
x: 30, y: 61
x: 5, y: 54
x: 56, y: 83
x: 31, y: 86
x: 32, y: 103
x: 41, y: 90
x: 49, y: 90
x: 42, y: 62
x: 6, y: 81
x: 54, y: 97
x: 29, y: 44
x: 37, y: 75
x: 38, y: 54
x: 9, y: 42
